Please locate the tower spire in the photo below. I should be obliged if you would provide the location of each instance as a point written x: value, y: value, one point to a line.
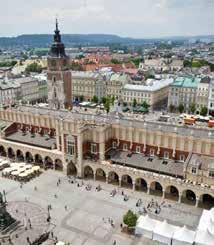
x: 57, y: 29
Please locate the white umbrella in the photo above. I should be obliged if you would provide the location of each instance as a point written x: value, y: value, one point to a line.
x: 23, y: 175
x: 15, y: 173
x: 28, y: 166
x: 35, y: 168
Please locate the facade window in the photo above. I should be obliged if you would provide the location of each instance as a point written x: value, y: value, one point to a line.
x: 166, y: 155
x: 194, y: 170
x: 94, y: 148
x: 70, y: 148
x: 138, y: 149
x: 152, y: 152
x: 182, y: 158
x: 114, y: 144
x: 125, y: 147
x: 211, y: 174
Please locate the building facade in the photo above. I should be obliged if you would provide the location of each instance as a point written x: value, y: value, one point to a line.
x: 170, y: 160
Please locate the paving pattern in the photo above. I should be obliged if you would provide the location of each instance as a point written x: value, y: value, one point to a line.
x: 84, y: 220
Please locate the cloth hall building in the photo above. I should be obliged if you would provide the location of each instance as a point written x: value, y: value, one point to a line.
x: 170, y: 160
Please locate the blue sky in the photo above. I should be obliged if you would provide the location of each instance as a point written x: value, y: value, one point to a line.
x: 133, y: 18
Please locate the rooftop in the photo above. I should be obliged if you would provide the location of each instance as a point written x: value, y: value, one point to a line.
x: 168, y: 167
x: 151, y: 85
x: 35, y: 140
x: 186, y: 82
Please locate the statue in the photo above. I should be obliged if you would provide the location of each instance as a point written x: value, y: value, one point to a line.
x: 5, y: 218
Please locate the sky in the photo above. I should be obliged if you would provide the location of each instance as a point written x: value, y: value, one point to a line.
x: 127, y: 18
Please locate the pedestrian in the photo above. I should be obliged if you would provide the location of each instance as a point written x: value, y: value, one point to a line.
x: 114, y: 242
x: 55, y: 195
x: 52, y: 234
x: 65, y: 207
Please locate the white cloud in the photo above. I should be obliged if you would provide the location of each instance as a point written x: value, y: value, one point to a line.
x: 137, y: 18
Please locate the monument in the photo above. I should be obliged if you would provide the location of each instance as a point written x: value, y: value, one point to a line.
x: 6, y: 220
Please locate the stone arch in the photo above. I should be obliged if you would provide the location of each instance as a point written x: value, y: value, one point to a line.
x: 71, y: 169
x: 20, y: 155
x: 3, y: 152
x: 206, y: 201
x: 113, y: 178
x: 38, y: 160
x: 141, y: 185
x: 188, y: 197
x: 58, y: 165
x: 126, y: 181
x: 48, y: 162
x: 100, y: 175
x: 29, y: 157
x: 88, y: 172
x: 172, y: 192
x: 11, y: 153
x: 156, y: 188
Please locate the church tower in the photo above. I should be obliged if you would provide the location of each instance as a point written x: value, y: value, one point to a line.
x: 59, y: 75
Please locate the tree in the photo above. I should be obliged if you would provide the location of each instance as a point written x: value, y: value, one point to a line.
x: 112, y: 100
x: 115, y: 61
x: 181, y: 108
x: 192, y: 108
x: 203, y: 111
x: 94, y: 99
x: 34, y: 67
x: 103, y: 100
x: 171, y: 108
x: 107, y: 105
x: 134, y: 103
x: 81, y: 98
x: 130, y: 219
x: 145, y: 105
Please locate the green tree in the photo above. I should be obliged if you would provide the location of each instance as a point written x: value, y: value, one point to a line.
x: 203, y: 111
x: 192, y: 108
x: 94, y: 99
x: 112, y: 100
x: 134, y: 103
x: 181, y: 108
x: 34, y: 67
x: 115, y: 61
x: 81, y: 98
x: 103, y: 100
x: 107, y: 105
x: 145, y: 105
x: 171, y: 108
x: 130, y: 219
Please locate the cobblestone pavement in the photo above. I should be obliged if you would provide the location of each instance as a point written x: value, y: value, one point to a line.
x: 85, y: 221
x: 32, y: 221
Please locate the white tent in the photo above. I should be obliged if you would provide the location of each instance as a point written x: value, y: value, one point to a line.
x: 163, y: 232
x: 145, y: 226
x: 183, y: 236
x: 204, y: 238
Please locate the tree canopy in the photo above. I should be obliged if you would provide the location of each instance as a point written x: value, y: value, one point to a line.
x: 130, y: 219
x: 34, y: 67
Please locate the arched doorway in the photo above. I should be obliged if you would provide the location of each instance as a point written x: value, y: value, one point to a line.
x: 38, y: 160
x: 172, y: 193
x: 156, y: 189
x: 188, y: 197
x: 71, y: 169
x: 2, y: 151
x: 58, y: 165
x: 10, y: 153
x: 206, y: 201
x: 140, y: 185
x: 113, y: 178
x: 48, y: 163
x: 126, y: 181
x: 20, y: 155
x: 88, y: 172
x: 28, y: 157
x: 100, y: 175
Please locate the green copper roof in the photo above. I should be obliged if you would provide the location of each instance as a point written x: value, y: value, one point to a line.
x: 186, y: 82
